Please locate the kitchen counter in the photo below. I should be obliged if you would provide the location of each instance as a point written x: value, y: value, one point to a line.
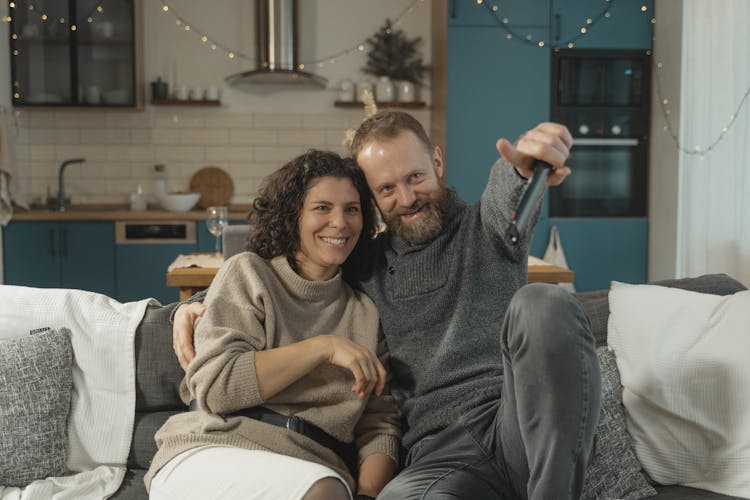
x: 104, y: 212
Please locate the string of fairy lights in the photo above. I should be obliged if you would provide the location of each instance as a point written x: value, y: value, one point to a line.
x: 214, y: 44
x: 511, y: 32
x: 494, y: 9
x: 696, y: 150
x: 35, y: 9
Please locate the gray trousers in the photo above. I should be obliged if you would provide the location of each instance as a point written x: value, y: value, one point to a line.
x: 538, y: 440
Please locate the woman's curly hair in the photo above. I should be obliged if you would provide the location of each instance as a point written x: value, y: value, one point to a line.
x: 274, y: 216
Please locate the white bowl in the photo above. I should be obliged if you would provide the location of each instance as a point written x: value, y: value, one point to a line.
x: 178, y: 202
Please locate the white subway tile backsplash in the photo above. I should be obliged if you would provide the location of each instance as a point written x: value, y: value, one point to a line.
x: 54, y: 136
x: 90, y: 152
x: 121, y: 147
x: 325, y: 121
x: 130, y: 153
x: 278, y: 120
x: 140, y: 136
x: 308, y: 138
x: 245, y: 137
x: 126, y: 119
x: 223, y: 119
x: 37, y: 153
x: 180, y: 119
x: 78, y: 119
x: 105, y: 136
x: 204, y: 136
x: 179, y: 153
x: 277, y: 154
x: 216, y: 154
x: 161, y: 136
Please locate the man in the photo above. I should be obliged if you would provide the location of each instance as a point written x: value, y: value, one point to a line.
x: 497, y: 382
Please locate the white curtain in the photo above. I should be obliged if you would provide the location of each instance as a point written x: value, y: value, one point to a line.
x: 714, y: 199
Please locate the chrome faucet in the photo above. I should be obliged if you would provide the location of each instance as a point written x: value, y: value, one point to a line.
x: 62, y: 200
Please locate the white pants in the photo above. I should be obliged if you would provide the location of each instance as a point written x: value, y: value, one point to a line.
x: 223, y: 472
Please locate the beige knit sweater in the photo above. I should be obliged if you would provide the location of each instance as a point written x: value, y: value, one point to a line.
x: 255, y: 304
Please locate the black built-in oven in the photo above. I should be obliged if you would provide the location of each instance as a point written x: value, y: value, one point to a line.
x: 603, y: 96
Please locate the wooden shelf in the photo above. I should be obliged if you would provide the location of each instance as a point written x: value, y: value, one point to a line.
x: 384, y: 104
x: 185, y: 102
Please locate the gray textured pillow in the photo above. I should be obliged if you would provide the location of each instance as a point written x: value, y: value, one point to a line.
x: 35, y: 387
x: 615, y: 471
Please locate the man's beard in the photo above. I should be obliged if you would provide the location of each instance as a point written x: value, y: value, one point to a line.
x: 428, y: 226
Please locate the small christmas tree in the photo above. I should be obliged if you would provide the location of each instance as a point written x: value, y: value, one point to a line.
x: 393, y: 55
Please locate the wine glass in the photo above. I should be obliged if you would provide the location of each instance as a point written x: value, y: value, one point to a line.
x: 216, y: 219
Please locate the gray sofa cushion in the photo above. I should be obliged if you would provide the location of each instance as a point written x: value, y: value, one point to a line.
x: 143, y: 445
x: 615, y: 471
x: 596, y: 306
x: 35, y: 390
x: 158, y: 373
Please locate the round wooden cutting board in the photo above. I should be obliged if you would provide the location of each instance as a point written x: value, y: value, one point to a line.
x: 214, y: 185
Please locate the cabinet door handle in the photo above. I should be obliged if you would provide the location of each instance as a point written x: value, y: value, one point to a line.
x: 52, y: 243
x: 63, y: 242
x: 454, y: 9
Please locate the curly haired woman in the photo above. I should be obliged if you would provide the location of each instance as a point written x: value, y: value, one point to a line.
x: 288, y: 386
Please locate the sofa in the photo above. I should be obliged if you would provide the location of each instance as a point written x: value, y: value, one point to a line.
x: 159, y: 374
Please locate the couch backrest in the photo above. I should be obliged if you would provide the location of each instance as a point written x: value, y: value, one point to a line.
x: 234, y: 239
x: 596, y: 304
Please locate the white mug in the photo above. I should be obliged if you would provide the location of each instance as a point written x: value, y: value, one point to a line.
x: 181, y: 92
x: 346, y: 91
x: 196, y: 93
x: 92, y: 94
x: 104, y: 29
x: 213, y: 93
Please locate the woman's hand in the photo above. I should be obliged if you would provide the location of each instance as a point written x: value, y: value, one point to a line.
x: 367, y: 369
x: 183, y: 331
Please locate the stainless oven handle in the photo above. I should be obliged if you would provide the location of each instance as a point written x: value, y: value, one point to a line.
x: 604, y: 142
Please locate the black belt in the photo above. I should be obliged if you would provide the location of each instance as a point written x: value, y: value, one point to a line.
x: 346, y: 451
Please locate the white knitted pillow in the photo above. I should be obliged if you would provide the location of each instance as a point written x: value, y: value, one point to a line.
x: 683, y: 360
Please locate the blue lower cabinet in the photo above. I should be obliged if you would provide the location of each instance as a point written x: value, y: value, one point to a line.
x: 142, y: 270
x: 603, y: 250
x: 31, y: 254
x: 60, y: 255
x: 88, y: 256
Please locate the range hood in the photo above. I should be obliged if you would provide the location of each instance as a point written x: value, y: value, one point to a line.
x: 276, y: 48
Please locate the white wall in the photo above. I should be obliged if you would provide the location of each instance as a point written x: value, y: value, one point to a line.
x: 250, y: 135
x: 325, y: 27
x: 664, y: 156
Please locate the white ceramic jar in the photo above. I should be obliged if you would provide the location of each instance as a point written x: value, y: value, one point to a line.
x: 346, y: 90
x: 385, y: 91
x: 407, y: 91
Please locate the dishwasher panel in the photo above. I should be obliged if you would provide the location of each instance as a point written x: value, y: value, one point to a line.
x: 144, y: 250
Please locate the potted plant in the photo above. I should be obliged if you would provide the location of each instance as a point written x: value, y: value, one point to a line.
x: 394, y: 59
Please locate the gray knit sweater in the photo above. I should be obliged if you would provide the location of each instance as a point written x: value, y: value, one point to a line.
x: 442, y: 304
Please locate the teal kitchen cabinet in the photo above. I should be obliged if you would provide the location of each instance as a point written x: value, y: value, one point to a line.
x: 60, y: 255
x: 144, y: 251
x: 517, y: 12
x: 496, y: 88
x: 628, y: 26
x: 600, y: 250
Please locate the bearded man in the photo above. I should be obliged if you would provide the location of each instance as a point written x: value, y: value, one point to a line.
x: 497, y: 380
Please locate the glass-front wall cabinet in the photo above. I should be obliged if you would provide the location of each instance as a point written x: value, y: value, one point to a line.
x: 74, y: 52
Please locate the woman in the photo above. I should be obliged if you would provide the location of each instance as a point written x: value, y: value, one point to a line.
x: 283, y: 336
